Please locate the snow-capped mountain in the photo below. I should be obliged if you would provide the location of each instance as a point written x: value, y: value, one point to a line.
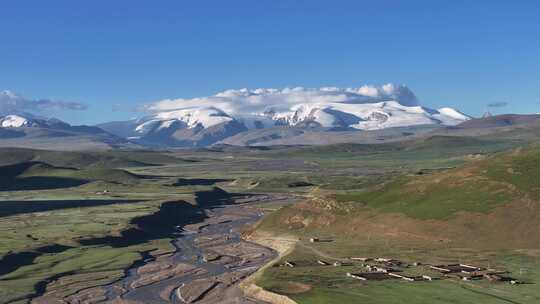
x: 185, y: 122
x: 29, y: 131
x: 30, y: 121
x: 367, y: 116
x: 14, y: 121
x: 185, y: 118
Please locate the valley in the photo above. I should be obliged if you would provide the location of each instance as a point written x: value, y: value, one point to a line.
x: 182, y: 226
x: 269, y: 152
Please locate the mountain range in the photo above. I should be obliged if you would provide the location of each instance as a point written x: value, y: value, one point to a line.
x: 295, y: 116
x: 272, y: 113
x: 28, y: 131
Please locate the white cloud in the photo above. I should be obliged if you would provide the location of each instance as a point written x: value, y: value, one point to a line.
x: 245, y: 101
x: 11, y: 103
x: 498, y: 104
x: 368, y: 91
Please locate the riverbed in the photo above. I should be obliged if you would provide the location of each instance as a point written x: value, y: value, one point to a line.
x: 209, y: 262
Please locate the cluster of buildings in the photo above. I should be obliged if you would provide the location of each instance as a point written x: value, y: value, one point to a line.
x: 378, y: 269
x: 469, y: 273
x: 383, y: 269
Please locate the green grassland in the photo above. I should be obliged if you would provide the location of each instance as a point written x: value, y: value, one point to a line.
x: 47, y: 208
x: 328, y: 284
x: 109, y: 159
x: 478, y: 187
x: 437, y: 201
x: 520, y: 169
x: 65, y: 227
x: 483, y: 212
x: 61, y: 198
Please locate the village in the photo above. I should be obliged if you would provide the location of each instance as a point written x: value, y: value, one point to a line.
x: 382, y: 268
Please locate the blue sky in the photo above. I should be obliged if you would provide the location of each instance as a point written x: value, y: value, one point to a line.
x: 463, y: 54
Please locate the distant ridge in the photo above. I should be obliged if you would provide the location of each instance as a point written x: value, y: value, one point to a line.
x: 504, y: 120
x: 27, y: 131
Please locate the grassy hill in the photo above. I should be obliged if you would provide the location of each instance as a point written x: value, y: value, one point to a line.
x: 35, y: 175
x: 108, y: 159
x: 481, y: 198
x: 478, y: 186
x: 432, y: 151
x: 100, y: 174
x: 485, y: 212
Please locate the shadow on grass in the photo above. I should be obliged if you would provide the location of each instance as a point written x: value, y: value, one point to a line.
x: 165, y: 222
x: 40, y: 183
x: 11, y: 179
x: 9, y: 208
x: 12, y: 261
x: 199, y: 181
